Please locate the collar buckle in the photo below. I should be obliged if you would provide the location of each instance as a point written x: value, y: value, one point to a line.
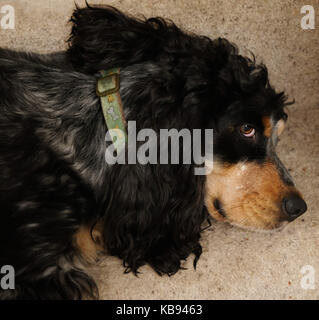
x: 108, y: 84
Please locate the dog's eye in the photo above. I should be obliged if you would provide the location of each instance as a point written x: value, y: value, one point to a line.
x: 247, y: 131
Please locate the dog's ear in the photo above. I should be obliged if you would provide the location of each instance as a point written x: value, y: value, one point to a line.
x: 104, y: 37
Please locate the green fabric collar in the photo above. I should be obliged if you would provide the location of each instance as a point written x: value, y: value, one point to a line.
x: 107, y: 88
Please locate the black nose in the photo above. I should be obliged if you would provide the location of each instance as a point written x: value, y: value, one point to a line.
x: 294, y: 206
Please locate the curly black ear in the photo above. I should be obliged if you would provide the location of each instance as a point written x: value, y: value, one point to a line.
x: 104, y: 37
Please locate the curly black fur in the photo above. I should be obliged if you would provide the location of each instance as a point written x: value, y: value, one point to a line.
x: 54, y: 176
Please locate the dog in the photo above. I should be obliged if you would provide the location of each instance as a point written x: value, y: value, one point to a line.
x: 62, y: 205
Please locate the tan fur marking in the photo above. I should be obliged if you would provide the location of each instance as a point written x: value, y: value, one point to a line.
x: 88, y: 247
x: 280, y: 127
x: 267, y: 125
x: 251, y: 194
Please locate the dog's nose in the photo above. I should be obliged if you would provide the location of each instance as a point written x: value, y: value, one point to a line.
x: 294, y: 206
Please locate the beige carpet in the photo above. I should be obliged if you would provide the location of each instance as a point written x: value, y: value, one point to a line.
x: 235, y: 264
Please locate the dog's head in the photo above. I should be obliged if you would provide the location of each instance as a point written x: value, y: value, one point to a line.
x: 189, y: 81
x: 249, y: 186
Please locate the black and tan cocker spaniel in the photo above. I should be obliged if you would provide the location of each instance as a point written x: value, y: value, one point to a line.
x: 61, y: 203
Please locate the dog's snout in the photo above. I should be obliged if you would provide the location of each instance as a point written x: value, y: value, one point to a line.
x: 294, y: 206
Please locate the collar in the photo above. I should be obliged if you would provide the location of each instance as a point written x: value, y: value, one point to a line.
x: 107, y: 88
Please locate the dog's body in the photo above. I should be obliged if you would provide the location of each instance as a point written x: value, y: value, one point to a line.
x: 61, y: 202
